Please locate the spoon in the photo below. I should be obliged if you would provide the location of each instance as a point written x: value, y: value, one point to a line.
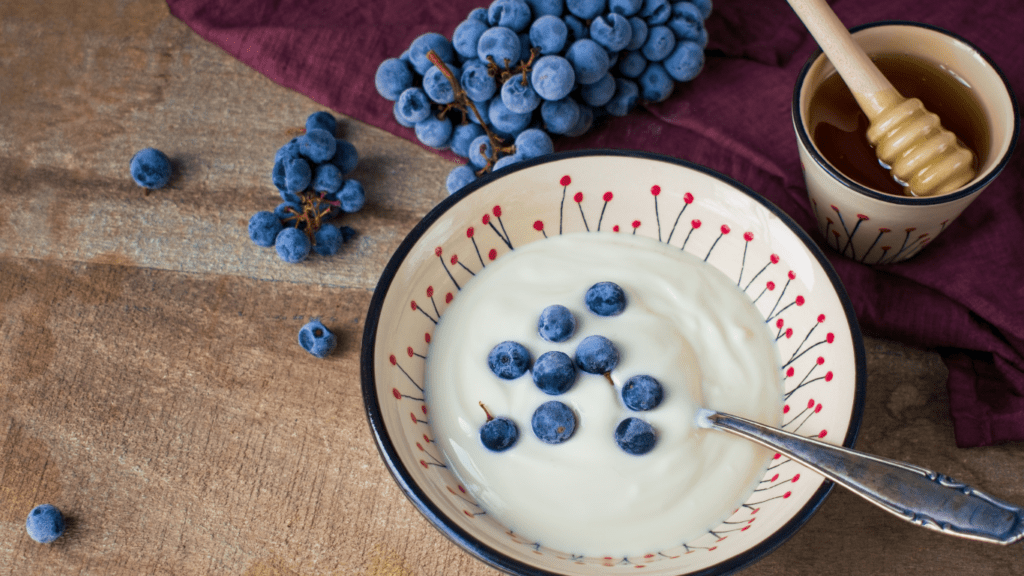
x: 909, y: 141
x: 915, y: 494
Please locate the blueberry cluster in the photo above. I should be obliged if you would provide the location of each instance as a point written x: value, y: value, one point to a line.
x: 519, y: 71
x: 310, y: 175
x: 554, y: 373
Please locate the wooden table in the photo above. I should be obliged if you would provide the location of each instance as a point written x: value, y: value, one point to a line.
x: 151, y: 385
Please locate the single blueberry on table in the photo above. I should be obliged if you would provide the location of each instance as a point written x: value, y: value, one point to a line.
x: 264, y: 227
x: 45, y: 523
x: 554, y: 373
x: 605, y: 299
x: 392, y: 77
x: 316, y: 339
x: 322, y: 121
x: 596, y: 355
x: 556, y: 323
x: 499, y: 434
x: 458, y: 178
x: 642, y: 393
x: 150, y: 168
x: 635, y: 436
x: 292, y: 245
x: 509, y: 360
x: 553, y: 422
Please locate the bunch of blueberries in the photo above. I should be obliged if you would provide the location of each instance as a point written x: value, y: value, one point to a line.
x: 310, y: 175
x: 529, y: 69
x: 555, y: 372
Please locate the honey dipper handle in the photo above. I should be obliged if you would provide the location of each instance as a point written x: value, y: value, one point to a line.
x: 873, y: 91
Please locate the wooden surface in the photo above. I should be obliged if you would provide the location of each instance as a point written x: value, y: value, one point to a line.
x: 151, y: 385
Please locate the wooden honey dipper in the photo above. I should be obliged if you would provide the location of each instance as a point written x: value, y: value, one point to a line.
x: 924, y: 157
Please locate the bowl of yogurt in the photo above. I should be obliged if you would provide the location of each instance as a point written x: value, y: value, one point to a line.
x: 538, y: 347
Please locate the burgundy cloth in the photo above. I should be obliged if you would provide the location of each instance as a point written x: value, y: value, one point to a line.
x: 962, y: 296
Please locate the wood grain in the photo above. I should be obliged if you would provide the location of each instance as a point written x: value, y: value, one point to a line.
x: 151, y: 385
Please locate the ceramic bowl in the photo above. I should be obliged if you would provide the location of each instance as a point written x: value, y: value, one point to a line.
x: 878, y: 228
x: 732, y: 228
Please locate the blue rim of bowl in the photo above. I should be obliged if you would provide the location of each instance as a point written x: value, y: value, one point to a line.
x: 798, y: 127
x: 466, y: 540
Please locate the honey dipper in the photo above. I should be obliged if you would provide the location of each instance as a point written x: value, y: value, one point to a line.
x: 924, y: 157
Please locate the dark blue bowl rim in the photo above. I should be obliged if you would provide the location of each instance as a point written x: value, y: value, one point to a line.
x: 466, y: 540
x: 812, y: 150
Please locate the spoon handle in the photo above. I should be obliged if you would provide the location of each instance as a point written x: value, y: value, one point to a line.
x: 915, y: 494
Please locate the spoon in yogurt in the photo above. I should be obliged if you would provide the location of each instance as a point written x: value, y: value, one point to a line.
x: 915, y: 494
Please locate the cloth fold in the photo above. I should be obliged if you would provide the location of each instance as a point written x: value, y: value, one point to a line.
x: 962, y: 296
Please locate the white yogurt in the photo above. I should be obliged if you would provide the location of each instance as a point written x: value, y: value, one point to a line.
x: 685, y: 324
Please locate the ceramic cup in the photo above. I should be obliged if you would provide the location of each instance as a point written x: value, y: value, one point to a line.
x: 879, y: 228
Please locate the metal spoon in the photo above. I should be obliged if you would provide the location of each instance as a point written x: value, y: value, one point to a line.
x: 915, y: 494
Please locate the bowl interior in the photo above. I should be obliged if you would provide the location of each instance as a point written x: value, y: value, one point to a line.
x: 687, y: 206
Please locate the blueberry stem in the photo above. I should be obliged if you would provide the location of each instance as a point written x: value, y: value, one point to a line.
x: 489, y: 417
x: 608, y: 375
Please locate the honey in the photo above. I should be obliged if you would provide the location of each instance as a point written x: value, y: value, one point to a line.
x: 838, y: 127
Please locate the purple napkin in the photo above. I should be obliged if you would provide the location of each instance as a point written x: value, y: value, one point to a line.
x: 962, y: 296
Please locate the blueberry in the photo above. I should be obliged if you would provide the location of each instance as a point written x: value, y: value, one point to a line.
x: 625, y: 7
x: 412, y: 106
x: 589, y: 60
x: 438, y: 87
x: 425, y: 43
x: 613, y: 31
x: 532, y: 143
x: 318, y: 145
x: 585, y: 9
x: 462, y: 136
x: 656, y: 11
x: 346, y: 157
x: 393, y: 76
x: 660, y: 43
x: 297, y: 174
x: 687, y: 22
x: 484, y: 108
x: 45, y: 523
x: 632, y: 64
x: 549, y: 33
x: 583, y: 123
x: 328, y: 240
x: 292, y: 245
x: 518, y: 96
x: 627, y: 93
x: 704, y: 6
x: 512, y: 14
x: 352, y: 196
x: 434, y: 132
x: 553, y: 77
x: 577, y: 29
x: 639, y: 35
x: 264, y: 227
x: 278, y: 175
x: 560, y: 116
x: 605, y: 299
x: 600, y: 92
x: 642, y: 393
x: 505, y: 121
x: 316, y: 339
x: 553, y: 422
x: 596, y: 355
x: 150, y: 168
x: 655, y: 83
x: 686, y: 62
x: 459, y: 177
x: 398, y: 116
x: 477, y: 82
x: 478, y: 14
x: 556, y: 323
x: 500, y: 44
x: 499, y: 434
x: 507, y: 160
x: 327, y: 178
x: 540, y: 8
x: 554, y: 372
x: 635, y: 436
x: 509, y: 360
x: 479, y: 151
x: 322, y: 121
x: 286, y: 212
x: 467, y: 35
